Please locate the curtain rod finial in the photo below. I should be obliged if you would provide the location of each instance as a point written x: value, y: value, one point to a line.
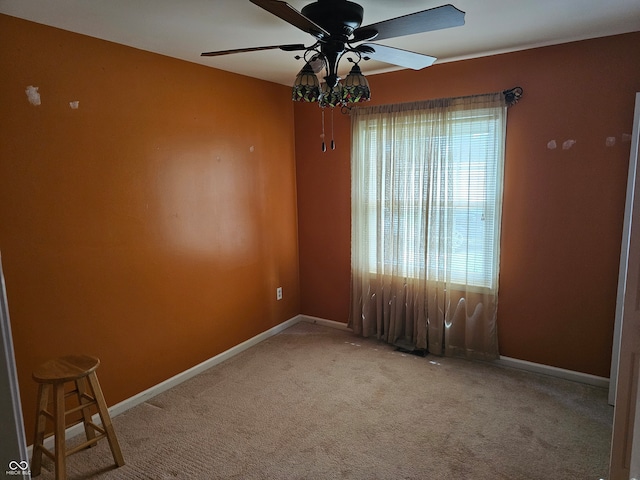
x: 512, y: 95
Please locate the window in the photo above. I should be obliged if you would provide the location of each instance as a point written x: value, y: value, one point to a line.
x: 427, y: 193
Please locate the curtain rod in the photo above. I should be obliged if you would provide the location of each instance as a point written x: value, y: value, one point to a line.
x: 511, y: 97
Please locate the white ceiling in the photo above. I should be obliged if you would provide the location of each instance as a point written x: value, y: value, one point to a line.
x: 183, y: 29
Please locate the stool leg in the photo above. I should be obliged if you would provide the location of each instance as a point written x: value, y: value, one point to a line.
x: 106, y: 419
x: 81, y: 389
x: 41, y: 423
x: 59, y: 425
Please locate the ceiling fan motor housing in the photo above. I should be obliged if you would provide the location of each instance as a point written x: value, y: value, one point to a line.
x: 338, y: 17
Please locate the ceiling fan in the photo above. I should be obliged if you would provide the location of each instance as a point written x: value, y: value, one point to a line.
x: 336, y: 27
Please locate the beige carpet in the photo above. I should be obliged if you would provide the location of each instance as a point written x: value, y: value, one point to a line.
x: 319, y: 403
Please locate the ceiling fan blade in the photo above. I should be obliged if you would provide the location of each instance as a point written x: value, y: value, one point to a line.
x: 397, y: 56
x: 445, y: 16
x: 289, y: 14
x: 286, y: 48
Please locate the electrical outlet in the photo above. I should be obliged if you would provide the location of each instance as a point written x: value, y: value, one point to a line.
x: 279, y: 293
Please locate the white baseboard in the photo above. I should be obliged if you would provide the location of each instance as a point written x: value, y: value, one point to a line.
x: 324, y: 322
x: 145, y: 395
x: 553, y: 371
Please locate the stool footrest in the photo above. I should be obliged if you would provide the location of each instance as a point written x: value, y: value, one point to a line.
x: 47, y: 452
x: 47, y: 414
x: 97, y: 428
x: 79, y: 407
x: 86, y: 444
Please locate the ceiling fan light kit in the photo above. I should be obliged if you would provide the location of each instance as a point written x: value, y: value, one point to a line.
x: 336, y: 28
x: 307, y: 88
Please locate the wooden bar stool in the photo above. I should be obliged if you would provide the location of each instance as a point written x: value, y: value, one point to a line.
x: 81, y: 370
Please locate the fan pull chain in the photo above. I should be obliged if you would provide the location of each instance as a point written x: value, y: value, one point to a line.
x: 324, y: 147
x: 333, y: 144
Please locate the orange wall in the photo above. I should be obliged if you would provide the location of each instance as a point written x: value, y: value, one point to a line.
x: 149, y: 227
x: 563, y: 209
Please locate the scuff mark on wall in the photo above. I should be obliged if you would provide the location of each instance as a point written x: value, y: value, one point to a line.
x: 551, y: 145
x: 32, y: 95
x: 567, y: 144
x: 610, y: 141
x: 74, y: 105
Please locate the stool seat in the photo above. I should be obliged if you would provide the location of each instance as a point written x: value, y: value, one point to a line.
x: 65, y: 369
x: 54, y: 375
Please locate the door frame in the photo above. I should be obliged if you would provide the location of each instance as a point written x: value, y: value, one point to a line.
x: 625, y: 442
x: 13, y: 447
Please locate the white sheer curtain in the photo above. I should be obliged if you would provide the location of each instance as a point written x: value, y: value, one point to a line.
x: 426, y: 211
